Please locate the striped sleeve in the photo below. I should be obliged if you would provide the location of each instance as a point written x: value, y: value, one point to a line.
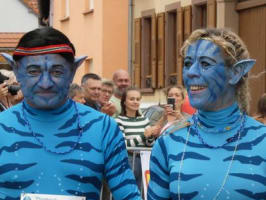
x: 118, y: 173
x: 120, y: 124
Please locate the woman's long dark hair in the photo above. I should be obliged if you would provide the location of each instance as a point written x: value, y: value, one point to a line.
x: 123, y: 100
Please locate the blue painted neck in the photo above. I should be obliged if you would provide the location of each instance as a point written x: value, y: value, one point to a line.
x: 47, y: 115
x: 220, y: 120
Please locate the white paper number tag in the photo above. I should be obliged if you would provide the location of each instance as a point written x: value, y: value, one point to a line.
x: 28, y: 196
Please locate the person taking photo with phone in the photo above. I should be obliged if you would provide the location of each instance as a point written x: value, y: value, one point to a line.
x: 172, y: 111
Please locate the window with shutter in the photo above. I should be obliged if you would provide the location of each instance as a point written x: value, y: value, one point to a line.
x: 199, y: 13
x: 146, y: 23
x: 187, y: 21
x: 153, y: 51
x: 204, y: 14
x: 157, y: 43
x: 172, y: 43
x: 148, y: 49
x: 137, y: 53
x: 161, y: 49
x: 171, y: 47
x: 180, y: 40
x: 211, y: 13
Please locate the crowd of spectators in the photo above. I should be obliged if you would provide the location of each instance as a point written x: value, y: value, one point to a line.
x: 216, y: 82
x: 119, y: 100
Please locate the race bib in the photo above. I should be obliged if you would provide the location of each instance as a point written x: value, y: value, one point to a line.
x: 28, y: 196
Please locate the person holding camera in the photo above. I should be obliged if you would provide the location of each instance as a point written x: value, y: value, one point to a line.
x: 172, y: 111
x: 10, y: 93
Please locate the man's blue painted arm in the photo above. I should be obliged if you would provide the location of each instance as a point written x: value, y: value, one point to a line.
x: 118, y: 173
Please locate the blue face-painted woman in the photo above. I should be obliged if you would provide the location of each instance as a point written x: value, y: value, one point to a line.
x: 205, y: 76
x: 219, y: 152
x: 208, y: 78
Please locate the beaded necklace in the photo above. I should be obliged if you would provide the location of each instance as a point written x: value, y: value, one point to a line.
x: 229, y: 140
x: 42, y: 144
x: 219, y: 130
x: 229, y: 166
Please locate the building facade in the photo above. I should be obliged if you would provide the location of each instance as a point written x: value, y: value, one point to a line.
x: 16, y: 18
x: 98, y: 29
x: 145, y: 37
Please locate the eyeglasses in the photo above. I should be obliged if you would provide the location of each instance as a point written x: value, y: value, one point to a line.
x: 107, y: 91
x: 94, y: 88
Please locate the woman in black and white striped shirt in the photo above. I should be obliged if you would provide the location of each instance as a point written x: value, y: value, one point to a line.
x: 131, y: 122
x: 133, y: 126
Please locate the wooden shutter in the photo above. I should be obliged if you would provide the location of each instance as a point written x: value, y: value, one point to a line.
x: 180, y: 30
x: 161, y: 49
x: 153, y: 50
x: 187, y: 21
x: 137, y: 52
x: 211, y: 13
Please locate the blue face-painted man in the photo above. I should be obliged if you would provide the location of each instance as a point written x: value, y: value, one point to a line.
x: 210, y: 83
x: 48, y: 128
x: 45, y: 79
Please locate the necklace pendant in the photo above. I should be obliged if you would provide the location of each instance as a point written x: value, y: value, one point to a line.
x: 228, y: 128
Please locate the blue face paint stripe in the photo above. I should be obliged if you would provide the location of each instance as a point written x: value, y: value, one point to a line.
x: 204, y: 47
x: 198, y: 46
x: 214, y: 78
x: 208, y: 48
x: 221, y: 75
x: 217, y: 83
x: 212, y: 93
x: 213, y: 96
x: 218, y: 77
x: 217, y: 52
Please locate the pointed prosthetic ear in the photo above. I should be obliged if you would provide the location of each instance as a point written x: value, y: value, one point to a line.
x: 240, y: 69
x: 78, y: 61
x: 10, y: 60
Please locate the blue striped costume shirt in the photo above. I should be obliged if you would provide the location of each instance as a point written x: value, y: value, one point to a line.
x: 25, y: 165
x: 205, y: 171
